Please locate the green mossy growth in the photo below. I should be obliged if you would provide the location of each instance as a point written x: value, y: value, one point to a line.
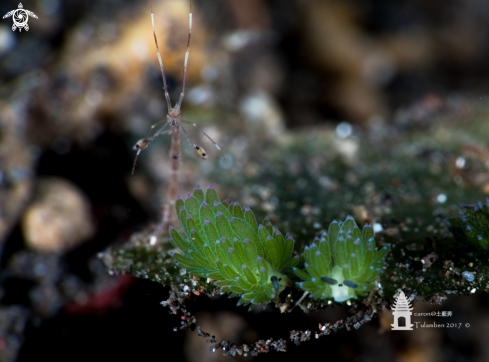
x: 473, y: 225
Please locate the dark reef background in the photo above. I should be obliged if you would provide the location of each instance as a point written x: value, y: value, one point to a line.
x: 83, y: 85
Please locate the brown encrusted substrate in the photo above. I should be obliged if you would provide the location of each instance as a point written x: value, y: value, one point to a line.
x: 362, y: 313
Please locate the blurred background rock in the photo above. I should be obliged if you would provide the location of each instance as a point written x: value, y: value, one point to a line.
x: 83, y: 85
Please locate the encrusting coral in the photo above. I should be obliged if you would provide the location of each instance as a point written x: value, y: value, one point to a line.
x: 343, y: 264
x: 225, y: 243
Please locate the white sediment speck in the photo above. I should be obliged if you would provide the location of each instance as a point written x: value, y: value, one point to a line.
x: 378, y: 228
x: 468, y: 276
x: 201, y: 94
x: 460, y: 162
x: 344, y: 129
x: 441, y: 198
